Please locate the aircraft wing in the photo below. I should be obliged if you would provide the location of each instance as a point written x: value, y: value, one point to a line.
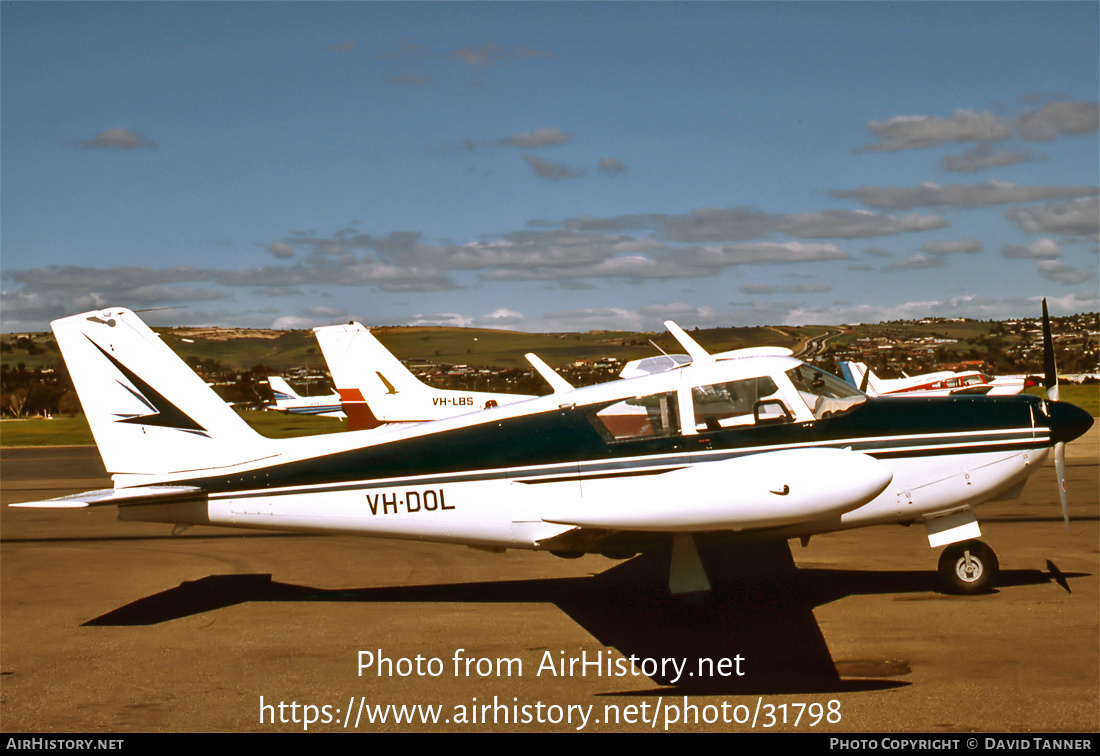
x: 755, y: 491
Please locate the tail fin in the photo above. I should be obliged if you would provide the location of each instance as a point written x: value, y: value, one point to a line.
x: 358, y: 360
x: 364, y: 372
x: 860, y: 376
x: 376, y: 388
x: 149, y: 412
x: 281, y: 389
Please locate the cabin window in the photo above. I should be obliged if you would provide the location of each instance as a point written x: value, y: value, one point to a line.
x: 744, y: 402
x: 653, y: 416
x: 825, y: 394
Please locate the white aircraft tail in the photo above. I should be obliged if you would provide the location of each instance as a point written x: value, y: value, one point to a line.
x: 357, y: 359
x: 149, y: 412
x: 282, y: 390
x: 376, y: 388
x: 366, y: 374
x: 861, y: 376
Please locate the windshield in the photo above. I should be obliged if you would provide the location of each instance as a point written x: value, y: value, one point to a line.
x: 824, y: 393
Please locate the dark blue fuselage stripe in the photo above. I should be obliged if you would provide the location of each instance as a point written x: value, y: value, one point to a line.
x: 585, y: 471
x: 565, y: 443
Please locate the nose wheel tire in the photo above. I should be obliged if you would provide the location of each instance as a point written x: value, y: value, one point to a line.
x: 968, y: 567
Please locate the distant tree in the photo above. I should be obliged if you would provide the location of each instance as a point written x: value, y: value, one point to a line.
x: 17, y: 402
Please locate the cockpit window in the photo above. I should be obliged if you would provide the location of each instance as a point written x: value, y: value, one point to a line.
x: 652, y: 416
x: 825, y: 394
x: 722, y: 405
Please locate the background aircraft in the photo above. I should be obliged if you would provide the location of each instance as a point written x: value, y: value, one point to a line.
x: 943, y: 383
x: 375, y: 388
x: 752, y: 447
x: 290, y: 401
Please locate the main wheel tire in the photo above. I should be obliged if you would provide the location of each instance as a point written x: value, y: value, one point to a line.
x: 969, y: 567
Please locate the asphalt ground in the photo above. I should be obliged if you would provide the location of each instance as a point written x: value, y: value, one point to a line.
x: 123, y: 627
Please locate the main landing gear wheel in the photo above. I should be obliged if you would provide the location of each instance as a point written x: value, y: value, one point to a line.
x: 968, y: 567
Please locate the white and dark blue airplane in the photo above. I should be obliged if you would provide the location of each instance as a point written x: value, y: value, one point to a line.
x: 757, y: 445
x: 291, y: 402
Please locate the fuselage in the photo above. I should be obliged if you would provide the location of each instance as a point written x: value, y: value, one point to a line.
x: 688, y: 440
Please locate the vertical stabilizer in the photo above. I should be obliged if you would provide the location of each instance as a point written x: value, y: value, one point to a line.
x: 356, y: 359
x: 367, y: 375
x: 281, y: 389
x: 376, y: 388
x: 860, y: 376
x: 149, y: 412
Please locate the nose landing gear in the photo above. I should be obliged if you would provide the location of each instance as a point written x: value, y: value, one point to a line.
x: 968, y: 567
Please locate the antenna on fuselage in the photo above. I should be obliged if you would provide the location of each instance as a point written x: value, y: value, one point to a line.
x: 691, y: 346
x: 557, y: 383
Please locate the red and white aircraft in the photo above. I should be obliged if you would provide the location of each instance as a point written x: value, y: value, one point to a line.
x: 944, y: 383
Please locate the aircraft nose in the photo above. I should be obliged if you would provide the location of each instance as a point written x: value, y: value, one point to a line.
x: 1067, y: 421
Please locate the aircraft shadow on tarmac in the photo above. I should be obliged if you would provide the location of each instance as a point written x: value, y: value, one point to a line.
x: 763, y: 615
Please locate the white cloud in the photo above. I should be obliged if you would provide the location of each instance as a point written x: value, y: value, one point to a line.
x: 855, y: 224
x: 1059, y: 272
x: 908, y: 132
x: 294, y: 323
x: 550, y: 170
x: 763, y: 253
x: 538, y: 138
x: 502, y: 318
x: 452, y: 319
x: 916, y: 262
x: 341, y: 48
x: 281, y: 250
x: 611, y: 167
x: 912, y: 132
x: 1043, y: 249
x: 981, y: 157
x: 1078, y: 218
x: 1055, y: 118
x: 959, y: 195
x: 116, y: 138
x: 966, y: 246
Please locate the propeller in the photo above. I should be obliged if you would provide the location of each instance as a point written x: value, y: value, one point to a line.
x: 1050, y: 381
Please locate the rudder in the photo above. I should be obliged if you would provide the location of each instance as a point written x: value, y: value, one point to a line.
x: 149, y: 412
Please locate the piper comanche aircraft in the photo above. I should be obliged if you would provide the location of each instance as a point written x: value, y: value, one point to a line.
x: 291, y: 402
x: 754, y: 443
x: 944, y: 383
x: 375, y: 388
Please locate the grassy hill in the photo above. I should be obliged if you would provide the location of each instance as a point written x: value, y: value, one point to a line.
x: 283, y: 350
x: 74, y: 431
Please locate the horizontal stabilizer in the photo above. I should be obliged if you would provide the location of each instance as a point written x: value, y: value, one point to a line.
x: 119, y: 496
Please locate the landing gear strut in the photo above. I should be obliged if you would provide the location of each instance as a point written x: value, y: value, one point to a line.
x: 968, y: 567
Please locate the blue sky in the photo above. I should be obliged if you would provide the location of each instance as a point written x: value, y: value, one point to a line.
x: 548, y: 166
